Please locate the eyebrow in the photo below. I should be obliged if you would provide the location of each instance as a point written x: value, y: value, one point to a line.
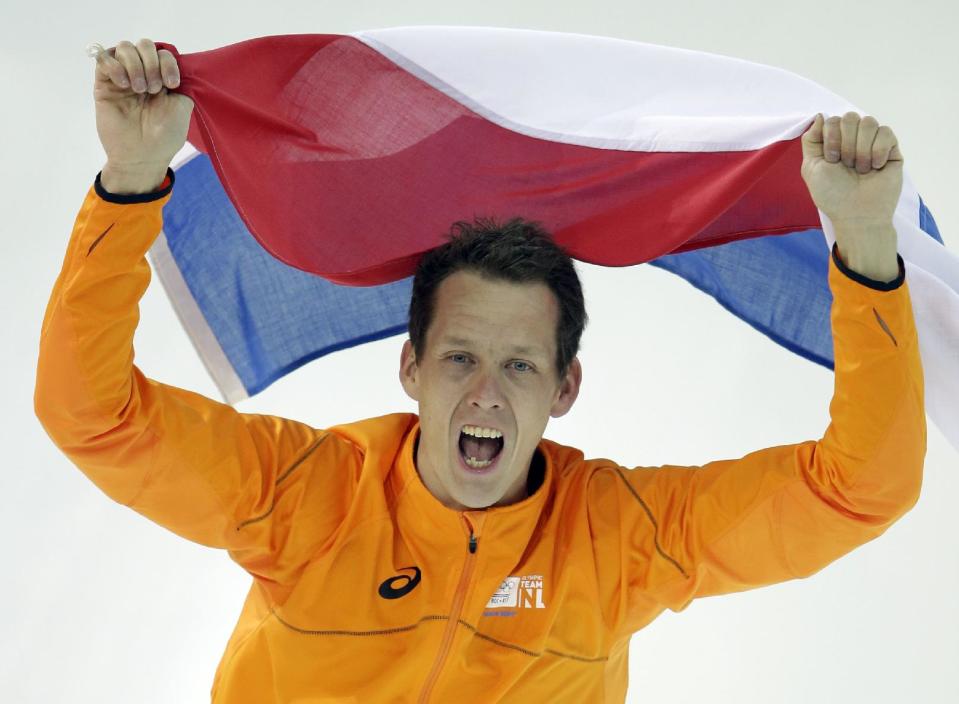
x: 518, y: 349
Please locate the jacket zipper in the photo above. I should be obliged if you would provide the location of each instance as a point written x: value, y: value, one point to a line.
x: 458, y: 600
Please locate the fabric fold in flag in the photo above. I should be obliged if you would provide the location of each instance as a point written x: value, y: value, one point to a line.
x: 320, y: 167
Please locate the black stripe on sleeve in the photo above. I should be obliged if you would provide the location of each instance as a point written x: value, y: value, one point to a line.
x: 134, y: 197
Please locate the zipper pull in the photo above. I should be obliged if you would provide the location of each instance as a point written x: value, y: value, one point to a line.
x: 472, y: 542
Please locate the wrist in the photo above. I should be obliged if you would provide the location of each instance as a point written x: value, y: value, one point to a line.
x: 132, y: 179
x: 869, y: 249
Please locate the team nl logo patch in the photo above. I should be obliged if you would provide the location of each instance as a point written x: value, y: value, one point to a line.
x: 525, y: 592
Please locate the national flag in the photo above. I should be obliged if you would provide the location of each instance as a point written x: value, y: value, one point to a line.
x: 319, y: 167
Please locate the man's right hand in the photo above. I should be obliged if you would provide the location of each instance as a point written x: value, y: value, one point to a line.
x: 140, y: 123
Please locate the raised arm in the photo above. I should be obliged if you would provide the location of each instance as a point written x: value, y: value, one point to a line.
x: 786, y: 512
x: 191, y: 464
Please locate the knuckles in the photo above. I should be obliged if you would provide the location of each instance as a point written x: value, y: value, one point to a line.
x: 858, y: 130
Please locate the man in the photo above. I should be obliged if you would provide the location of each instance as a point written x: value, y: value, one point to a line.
x: 457, y: 555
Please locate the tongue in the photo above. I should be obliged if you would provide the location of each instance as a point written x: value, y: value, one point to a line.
x: 480, y: 448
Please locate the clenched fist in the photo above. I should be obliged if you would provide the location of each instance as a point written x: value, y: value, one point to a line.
x: 852, y: 167
x: 141, y: 124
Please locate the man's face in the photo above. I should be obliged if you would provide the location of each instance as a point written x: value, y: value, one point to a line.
x: 488, y: 365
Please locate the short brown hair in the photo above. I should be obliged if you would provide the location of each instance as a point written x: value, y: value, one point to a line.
x: 518, y: 250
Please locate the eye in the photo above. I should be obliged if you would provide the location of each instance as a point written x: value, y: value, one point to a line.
x: 458, y: 358
x: 522, y: 366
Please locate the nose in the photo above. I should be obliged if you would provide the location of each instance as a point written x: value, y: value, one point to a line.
x: 485, y: 392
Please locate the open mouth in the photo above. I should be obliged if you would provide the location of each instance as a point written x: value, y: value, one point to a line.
x: 479, y: 447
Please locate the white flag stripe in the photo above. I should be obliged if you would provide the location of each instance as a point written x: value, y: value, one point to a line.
x: 610, y: 93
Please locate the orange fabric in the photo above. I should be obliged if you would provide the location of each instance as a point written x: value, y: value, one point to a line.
x: 327, y: 520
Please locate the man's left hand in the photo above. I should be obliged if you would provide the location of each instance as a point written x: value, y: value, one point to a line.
x: 852, y: 167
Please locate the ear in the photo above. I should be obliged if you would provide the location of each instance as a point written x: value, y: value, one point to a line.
x: 409, y: 372
x: 568, y: 390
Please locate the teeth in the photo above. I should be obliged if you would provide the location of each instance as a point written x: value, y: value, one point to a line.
x: 479, y: 432
x: 478, y: 464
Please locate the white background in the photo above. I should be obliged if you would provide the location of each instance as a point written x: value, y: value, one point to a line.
x: 103, y: 606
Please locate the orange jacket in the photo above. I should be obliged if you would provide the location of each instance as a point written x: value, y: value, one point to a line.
x: 366, y: 589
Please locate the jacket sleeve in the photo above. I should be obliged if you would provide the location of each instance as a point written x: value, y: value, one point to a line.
x: 191, y: 464
x: 786, y: 512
